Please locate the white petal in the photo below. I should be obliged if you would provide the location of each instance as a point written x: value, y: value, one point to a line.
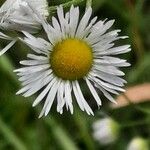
x: 81, y: 98
x: 108, y: 85
x: 77, y: 97
x: 37, y: 77
x: 108, y: 69
x: 74, y: 18
x: 109, y: 78
x: 107, y: 60
x: 93, y: 91
x: 116, y: 50
x: 43, y: 93
x: 5, y: 37
x: 60, y: 98
x: 68, y: 97
x: 98, y: 29
x: 107, y: 95
x: 34, y: 87
x: 34, y: 62
x: 83, y: 23
x: 51, y: 97
x: 36, y: 57
x: 32, y: 69
x: 7, y: 47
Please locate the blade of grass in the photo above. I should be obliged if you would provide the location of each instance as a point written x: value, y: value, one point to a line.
x: 11, y: 137
x: 60, y: 135
x: 81, y: 123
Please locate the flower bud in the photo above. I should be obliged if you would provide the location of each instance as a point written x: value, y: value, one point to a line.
x: 106, y: 131
x: 138, y: 143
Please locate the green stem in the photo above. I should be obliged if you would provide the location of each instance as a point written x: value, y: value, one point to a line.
x: 88, y: 3
x: 65, y: 5
x: 11, y: 137
x: 60, y: 135
x: 81, y: 123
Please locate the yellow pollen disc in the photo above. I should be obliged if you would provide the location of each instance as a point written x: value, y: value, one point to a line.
x: 71, y: 59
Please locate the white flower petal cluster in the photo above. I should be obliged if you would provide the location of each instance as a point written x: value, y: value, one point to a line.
x: 105, y: 75
x: 138, y: 143
x: 17, y: 15
x: 105, y: 131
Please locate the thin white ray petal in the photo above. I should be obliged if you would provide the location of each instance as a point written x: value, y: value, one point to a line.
x: 60, y: 95
x: 62, y: 20
x: 108, y: 69
x: 68, y: 96
x: 34, y: 62
x: 83, y: 23
x: 109, y: 78
x: 36, y: 57
x: 24, y: 78
x: 51, y: 97
x: 116, y: 50
x: 5, y: 37
x: 42, y: 82
x: 85, y: 104
x: 93, y: 92
x: 32, y: 69
x: 74, y: 18
x: 88, y: 28
x: 38, y: 85
x: 43, y: 93
x: 4, y: 50
x: 98, y: 29
x: 37, y: 77
x: 111, y: 86
x: 107, y: 95
x: 77, y: 96
x: 56, y: 24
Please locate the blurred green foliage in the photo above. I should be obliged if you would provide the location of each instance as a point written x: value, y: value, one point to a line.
x: 20, y: 128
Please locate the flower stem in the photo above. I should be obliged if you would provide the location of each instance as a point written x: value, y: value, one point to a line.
x: 65, y: 5
x: 81, y: 123
x: 88, y: 3
x: 11, y: 137
x: 60, y: 134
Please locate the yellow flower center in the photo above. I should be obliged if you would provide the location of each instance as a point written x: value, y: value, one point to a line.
x: 71, y: 59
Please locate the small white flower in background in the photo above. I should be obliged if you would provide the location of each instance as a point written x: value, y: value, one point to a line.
x: 138, y: 143
x: 76, y: 50
x: 17, y: 15
x: 105, y: 131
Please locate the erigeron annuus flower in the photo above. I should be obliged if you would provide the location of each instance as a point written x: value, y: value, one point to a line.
x: 106, y: 131
x: 76, y: 50
x: 17, y: 15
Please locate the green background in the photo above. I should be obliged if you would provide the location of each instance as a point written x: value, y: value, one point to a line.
x: 20, y: 128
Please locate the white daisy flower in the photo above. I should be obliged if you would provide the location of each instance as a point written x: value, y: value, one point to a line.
x: 106, y: 131
x: 75, y: 50
x: 18, y: 15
